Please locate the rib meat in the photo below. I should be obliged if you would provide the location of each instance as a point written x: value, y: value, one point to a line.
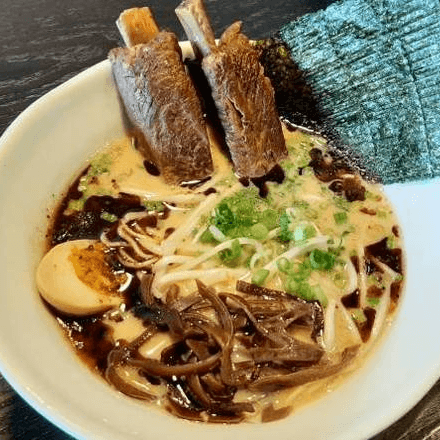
x: 162, y: 104
x: 244, y: 97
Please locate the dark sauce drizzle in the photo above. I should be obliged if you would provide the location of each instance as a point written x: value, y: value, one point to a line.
x: 151, y: 168
x: 276, y: 174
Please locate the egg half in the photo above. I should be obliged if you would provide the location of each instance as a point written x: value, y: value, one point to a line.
x: 76, y: 278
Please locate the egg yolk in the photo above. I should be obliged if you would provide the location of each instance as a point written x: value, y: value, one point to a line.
x: 92, y: 268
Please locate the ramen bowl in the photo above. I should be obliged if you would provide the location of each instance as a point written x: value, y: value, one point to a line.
x: 39, y: 154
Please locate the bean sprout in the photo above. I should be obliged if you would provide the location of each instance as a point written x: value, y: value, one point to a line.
x: 362, y: 278
x: 350, y: 324
x: 328, y: 339
x: 221, y: 247
x: 352, y: 276
x: 381, y: 313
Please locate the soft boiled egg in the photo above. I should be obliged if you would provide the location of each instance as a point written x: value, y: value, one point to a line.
x: 76, y: 278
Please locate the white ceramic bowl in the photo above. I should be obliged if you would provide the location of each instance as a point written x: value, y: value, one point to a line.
x: 39, y: 154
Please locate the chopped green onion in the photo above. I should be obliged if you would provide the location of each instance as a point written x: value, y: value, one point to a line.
x: 306, y: 291
x: 258, y: 231
x: 283, y: 52
x: 233, y: 253
x: 371, y: 196
x: 108, y: 217
x: 358, y: 315
x: 207, y: 237
x: 285, y: 233
x: 310, y: 231
x: 321, y: 260
x: 299, y: 234
x: 76, y: 205
x: 154, y: 206
x: 269, y: 218
x: 391, y: 242
x: 304, y: 232
x: 373, y: 278
x: 301, y: 271
x: 259, y: 277
x: 320, y: 295
x: 284, y: 265
x: 290, y: 285
x: 340, y: 217
x: 224, y: 217
x: 373, y: 301
x: 100, y: 164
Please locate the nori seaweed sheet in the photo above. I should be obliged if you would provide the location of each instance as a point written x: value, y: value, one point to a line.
x: 374, y: 68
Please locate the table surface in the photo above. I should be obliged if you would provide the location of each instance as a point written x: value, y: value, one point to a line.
x: 44, y: 43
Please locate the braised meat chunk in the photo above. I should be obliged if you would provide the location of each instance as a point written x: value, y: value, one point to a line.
x: 162, y: 104
x: 244, y: 97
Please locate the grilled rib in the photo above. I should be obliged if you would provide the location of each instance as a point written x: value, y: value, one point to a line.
x: 161, y: 100
x: 244, y: 97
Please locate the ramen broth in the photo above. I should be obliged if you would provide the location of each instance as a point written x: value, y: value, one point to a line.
x: 318, y: 244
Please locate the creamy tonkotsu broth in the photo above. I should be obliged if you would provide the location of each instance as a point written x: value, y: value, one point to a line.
x: 225, y: 300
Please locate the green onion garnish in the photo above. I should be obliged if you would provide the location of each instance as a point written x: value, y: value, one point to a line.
x: 224, y: 217
x: 391, y: 242
x: 233, y: 253
x: 320, y: 295
x: 154, y: 206
x: 340, y: 217
x: 259, y: 277
x: 309, y: 231
x: 306, y: 291
x: 373, y: 301
x: 76, y: 205
x: 108, y: 217
x: 269, y: 218
x: 285, y: 233
x: 207, y: 237
x: 299, y: 234
x: 258, y: 231
x: 321, y: 260
x: 284, y: 265
x: 358, y: 315
x: 301, y: 271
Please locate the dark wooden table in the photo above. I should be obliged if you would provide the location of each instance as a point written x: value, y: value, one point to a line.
x: 45, y: 42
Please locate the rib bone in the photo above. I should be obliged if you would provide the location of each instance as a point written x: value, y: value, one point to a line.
x: 195, y: 21
x: 137, y: 26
